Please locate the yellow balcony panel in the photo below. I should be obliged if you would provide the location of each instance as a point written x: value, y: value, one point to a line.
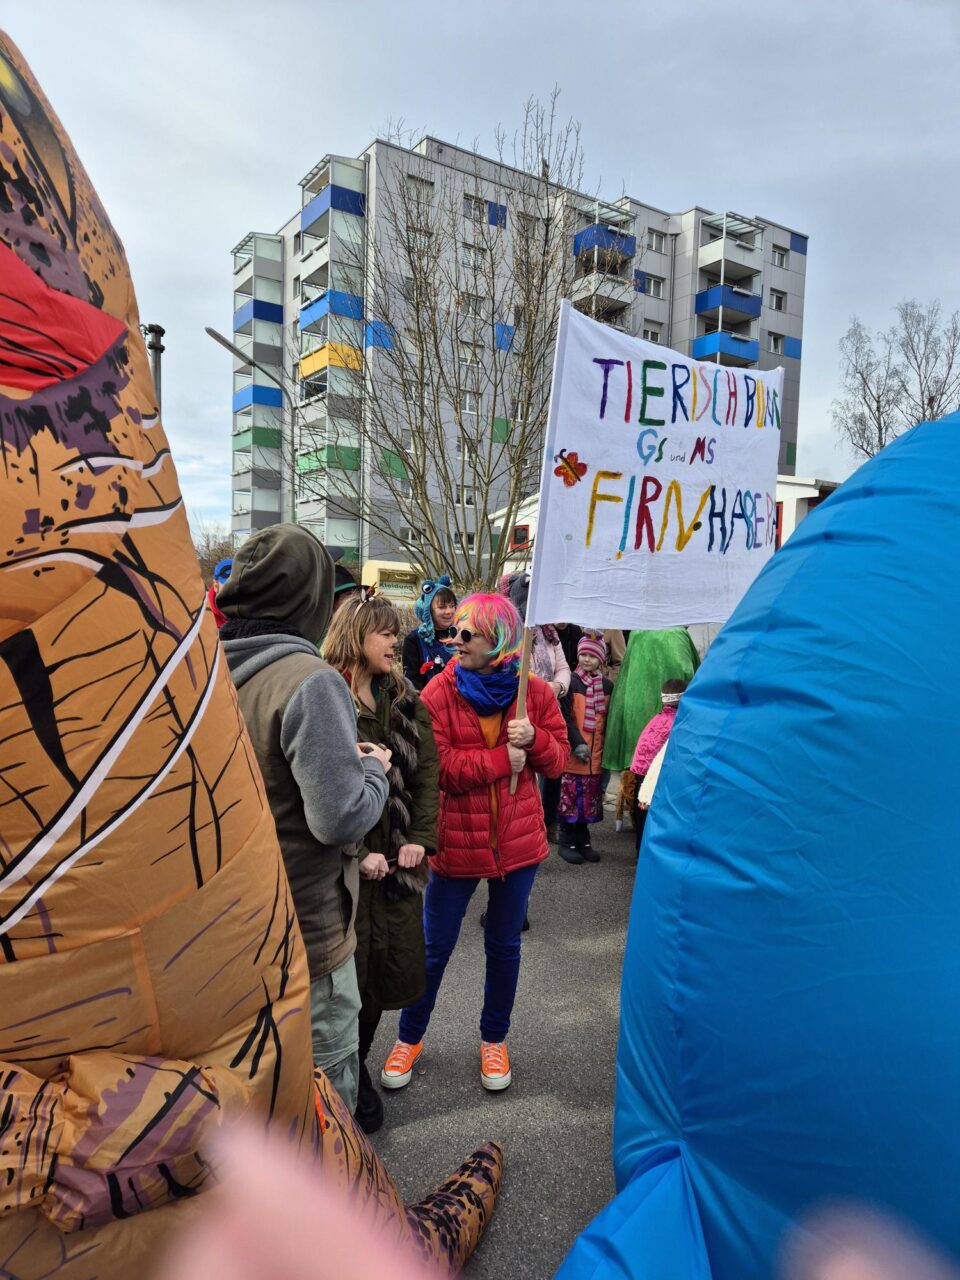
x: 344, y: 356
x: 313, y: 361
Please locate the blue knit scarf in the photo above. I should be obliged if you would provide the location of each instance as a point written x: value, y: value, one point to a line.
x: 491, y: 692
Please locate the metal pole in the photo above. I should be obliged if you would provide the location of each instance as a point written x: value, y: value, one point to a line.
x: 248, y: 359
x: 723, y: 258
x: 155, y: 348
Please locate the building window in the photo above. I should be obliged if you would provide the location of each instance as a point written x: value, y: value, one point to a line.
x: 776, y: 343
x: 407, y: 534
x: 470, y: 402
x: 419, y: 239
x: 521, y: 537
x: 652, y: 333
x: 656, y: 241
x: 472, y: 306
x: 471, y: 541
x: 296, y: 286
x: 420, y: 187
x: 473, y: 256
x: 780, y: 256
x: 464, y: 495
x: 778, y: 300
x: 296, y: 242
x: 654, y: 287
x: 471, y: 361
x: 474, y: 209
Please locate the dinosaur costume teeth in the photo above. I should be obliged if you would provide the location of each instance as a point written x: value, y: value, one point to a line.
x: 152, y: 977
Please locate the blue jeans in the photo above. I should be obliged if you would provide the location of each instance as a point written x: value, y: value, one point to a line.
x: 444, y: 906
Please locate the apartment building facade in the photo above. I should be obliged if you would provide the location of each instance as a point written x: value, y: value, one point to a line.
x: 718, y: 286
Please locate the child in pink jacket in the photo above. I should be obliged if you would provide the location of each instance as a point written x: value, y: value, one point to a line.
x: 653, y: 737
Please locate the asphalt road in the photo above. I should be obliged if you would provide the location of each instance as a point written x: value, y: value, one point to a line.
x: 555, y: 1121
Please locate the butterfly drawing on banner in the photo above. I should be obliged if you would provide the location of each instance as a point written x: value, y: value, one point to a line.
x: 571, y: 470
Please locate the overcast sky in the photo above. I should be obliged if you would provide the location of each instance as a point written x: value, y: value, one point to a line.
x: 838, y: 118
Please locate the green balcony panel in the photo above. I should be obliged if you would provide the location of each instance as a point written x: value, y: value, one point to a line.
x: 345, y: 456
x: 311, y: 461
x: 391, y: 464
x: 268, y: 437
x: 501, y: 430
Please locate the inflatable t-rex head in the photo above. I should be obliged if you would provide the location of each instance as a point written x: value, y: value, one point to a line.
x: 152, y: 976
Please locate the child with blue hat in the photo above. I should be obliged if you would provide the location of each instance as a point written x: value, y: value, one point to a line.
x: 428, y: 647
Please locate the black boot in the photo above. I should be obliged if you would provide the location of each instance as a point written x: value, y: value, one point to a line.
x: 566, y: 846
x: 369, y: 1112
x: 584, y: 847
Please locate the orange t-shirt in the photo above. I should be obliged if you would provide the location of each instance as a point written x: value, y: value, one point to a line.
x: 490, y: 728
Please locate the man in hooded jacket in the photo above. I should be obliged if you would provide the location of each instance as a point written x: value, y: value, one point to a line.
x: 324, y: 794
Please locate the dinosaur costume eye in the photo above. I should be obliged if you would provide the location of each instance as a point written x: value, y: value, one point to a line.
x: 11, y: 87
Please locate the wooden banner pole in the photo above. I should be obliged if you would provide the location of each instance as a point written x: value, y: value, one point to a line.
x: 522, y: 691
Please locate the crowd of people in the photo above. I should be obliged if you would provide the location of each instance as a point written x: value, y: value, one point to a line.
x: 401, y: 774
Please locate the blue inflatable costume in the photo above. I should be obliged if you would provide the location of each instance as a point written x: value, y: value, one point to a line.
x: 790, y: 1027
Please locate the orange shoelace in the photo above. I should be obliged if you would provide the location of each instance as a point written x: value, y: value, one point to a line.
x: 401, y: 1057
x: 494, y: 1059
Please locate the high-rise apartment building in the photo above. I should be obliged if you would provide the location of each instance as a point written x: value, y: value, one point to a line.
x: 718, y: 286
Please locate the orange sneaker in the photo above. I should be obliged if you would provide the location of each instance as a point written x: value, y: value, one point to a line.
x: 398, y: 1068
x: 494, y: 1065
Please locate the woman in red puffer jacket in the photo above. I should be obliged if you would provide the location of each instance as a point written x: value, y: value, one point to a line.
x: 485, y: 832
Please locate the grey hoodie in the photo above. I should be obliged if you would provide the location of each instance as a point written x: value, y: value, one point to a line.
x: 303, y: 726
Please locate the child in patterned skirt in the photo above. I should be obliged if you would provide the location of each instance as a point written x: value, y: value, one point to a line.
x: 581, y: 796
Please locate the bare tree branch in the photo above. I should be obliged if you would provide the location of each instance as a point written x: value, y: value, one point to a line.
x: 462, y: 271
x: 894, y: 379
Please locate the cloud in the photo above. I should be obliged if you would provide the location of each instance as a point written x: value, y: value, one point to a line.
x: 196, y: 122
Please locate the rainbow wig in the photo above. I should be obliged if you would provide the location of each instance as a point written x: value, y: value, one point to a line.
x: 496, y: 619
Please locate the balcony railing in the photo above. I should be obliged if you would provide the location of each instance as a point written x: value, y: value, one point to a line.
x: 735, y: 302
x: 605, y: 289
x: 740, y: 258
x: 616, y: 243
x: 732, y: 348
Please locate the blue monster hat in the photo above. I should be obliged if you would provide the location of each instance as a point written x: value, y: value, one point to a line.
x: 221, y: 570
x: 428, y: 589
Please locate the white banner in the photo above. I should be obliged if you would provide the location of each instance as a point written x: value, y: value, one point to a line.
x: 657, y: 502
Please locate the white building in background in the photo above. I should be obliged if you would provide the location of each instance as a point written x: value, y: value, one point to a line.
x: 716, y: 286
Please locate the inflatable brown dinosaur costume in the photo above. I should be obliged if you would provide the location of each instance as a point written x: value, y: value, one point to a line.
x: 152, y: 976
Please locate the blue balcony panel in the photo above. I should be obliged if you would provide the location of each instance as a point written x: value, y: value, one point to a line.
x: 721, y: 295
x: 378, y: 334
x: 332, y: 197
x: 792, y: 348
x: 256, y: 309
x: 496, y: 214
x: 332, y: 302
x: 709, y: 345
x: 640, y: 282
x: 598, y: 237
x: 271, y: 397
x: 503, y: 336
x: 798, y: 243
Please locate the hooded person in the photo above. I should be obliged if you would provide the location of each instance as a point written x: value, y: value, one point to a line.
x: 324, y: 793
x: 429, y: 646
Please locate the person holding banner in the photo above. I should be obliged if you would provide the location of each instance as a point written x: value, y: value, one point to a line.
x: 487, y: 831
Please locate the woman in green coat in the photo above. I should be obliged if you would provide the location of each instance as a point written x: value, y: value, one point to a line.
x: 362, y: 645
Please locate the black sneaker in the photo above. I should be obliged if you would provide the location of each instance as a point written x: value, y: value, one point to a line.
x: 585, y: 849
x: 369, y: 1112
